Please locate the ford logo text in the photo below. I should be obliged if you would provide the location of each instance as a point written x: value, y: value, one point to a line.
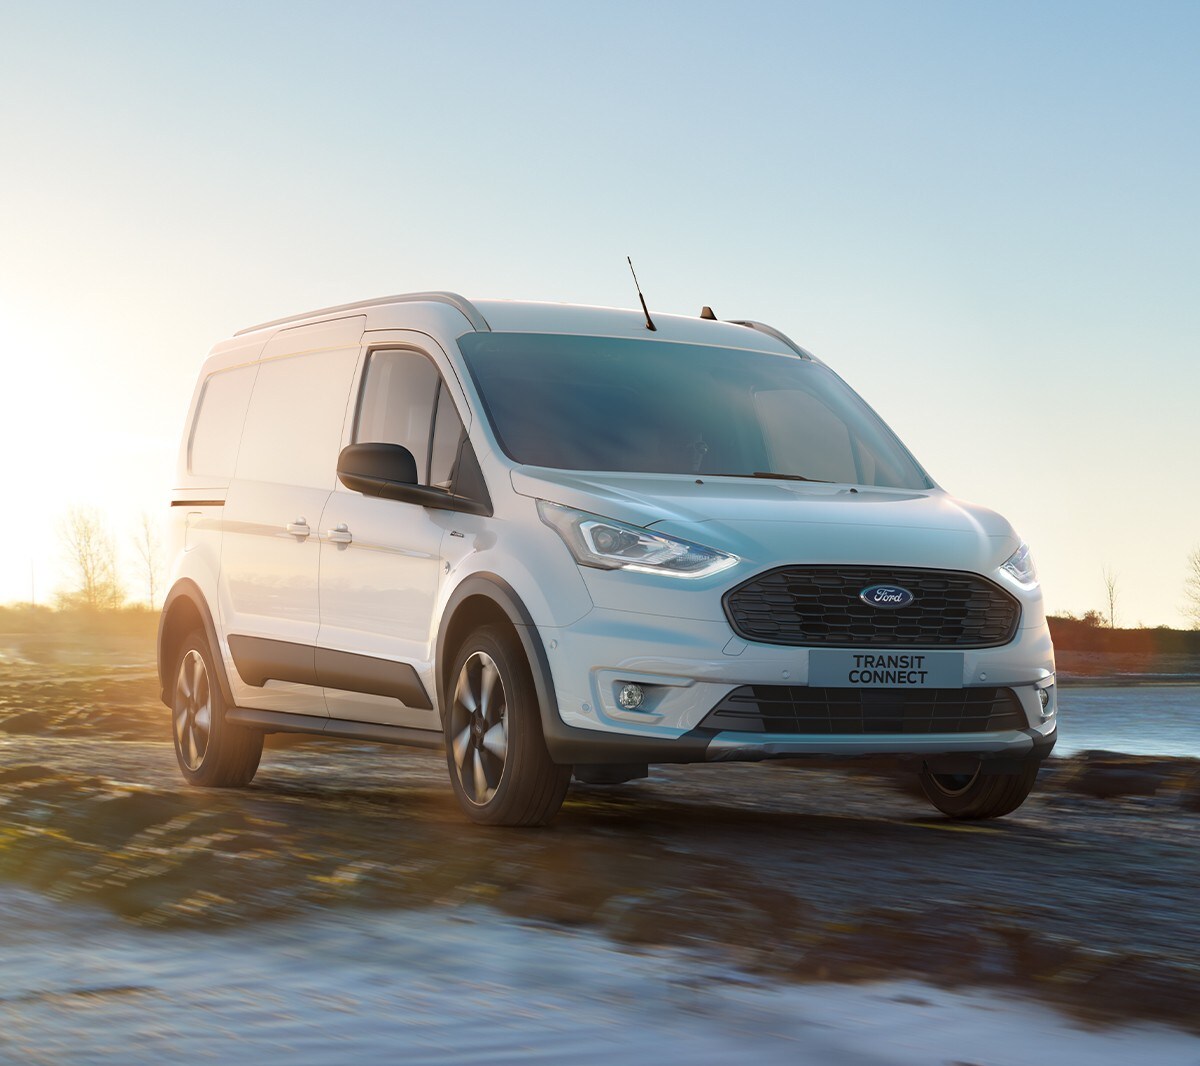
x: 887, y: 596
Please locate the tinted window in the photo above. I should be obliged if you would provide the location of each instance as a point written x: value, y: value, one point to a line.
x: 447, y: 439
x: 217, y: 431
x: 613, y: 404
x: 798, y: 423
x: 405, y: 401
x: 398, y: 393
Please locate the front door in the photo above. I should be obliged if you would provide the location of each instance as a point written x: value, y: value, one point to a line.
x: 381, y: 560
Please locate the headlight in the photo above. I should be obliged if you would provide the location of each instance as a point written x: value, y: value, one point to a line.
x: 1020, y: 567
x: 609, y: 545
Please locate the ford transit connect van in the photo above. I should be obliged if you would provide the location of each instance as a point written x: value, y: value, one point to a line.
x: 554, y: 541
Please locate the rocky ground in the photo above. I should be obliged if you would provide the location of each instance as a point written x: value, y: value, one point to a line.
x: 1085, y: 897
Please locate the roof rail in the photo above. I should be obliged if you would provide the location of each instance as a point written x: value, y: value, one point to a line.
x: 771, y: 331
x: 461, y: 303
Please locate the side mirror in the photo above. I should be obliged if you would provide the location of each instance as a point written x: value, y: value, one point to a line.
x: 373, y: 469
x: 390, y: 471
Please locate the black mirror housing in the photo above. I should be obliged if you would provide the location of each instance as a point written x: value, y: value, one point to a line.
x: 390, y: 472
x: 373, y: 468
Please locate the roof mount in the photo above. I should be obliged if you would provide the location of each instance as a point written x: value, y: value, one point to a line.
x: 706, y: 313
x: 460, y: 303
x: 771, y: 331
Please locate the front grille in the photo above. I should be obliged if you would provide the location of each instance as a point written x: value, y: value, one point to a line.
x: 820, y: 605
x: 808, y: 711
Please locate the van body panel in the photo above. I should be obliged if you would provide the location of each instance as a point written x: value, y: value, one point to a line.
x: 435, y: 320
x: 227, y: 356
x: 321, y: 336
x: 270, y: 557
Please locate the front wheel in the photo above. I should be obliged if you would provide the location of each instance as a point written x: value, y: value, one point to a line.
x: 210, y: 750
x: 978, y: 795
x: 499, y: 766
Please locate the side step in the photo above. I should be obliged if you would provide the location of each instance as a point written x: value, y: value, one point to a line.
x: 280, y: 722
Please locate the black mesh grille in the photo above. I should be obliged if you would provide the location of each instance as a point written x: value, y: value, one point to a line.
x: 820, y: 605
x: 858, y: 711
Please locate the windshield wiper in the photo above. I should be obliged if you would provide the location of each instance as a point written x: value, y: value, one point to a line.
x: 777, y: 477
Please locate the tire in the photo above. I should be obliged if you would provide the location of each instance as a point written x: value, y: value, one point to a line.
x: 978, y: 795
x: 211, y: 751
x: 496, y: 753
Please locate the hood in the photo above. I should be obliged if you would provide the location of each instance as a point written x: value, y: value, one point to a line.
x: 768, y: 523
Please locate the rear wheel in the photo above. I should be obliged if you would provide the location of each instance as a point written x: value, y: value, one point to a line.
x: 499, y: 766
x: 978, y: 795
x: 210, y: 750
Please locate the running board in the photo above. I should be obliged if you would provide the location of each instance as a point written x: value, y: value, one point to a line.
x: 280, y: 722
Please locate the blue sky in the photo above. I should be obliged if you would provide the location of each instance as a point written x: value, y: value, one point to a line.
x: 984, y: 216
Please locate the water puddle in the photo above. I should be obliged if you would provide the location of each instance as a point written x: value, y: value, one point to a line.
x: 463, y: 985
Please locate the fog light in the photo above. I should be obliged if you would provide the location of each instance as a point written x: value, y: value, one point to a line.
x: 631, y: 696
x: 1044, y: 698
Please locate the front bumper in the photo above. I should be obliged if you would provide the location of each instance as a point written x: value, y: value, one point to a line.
x: 686, y: 667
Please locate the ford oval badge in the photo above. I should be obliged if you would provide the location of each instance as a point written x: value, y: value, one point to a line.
x: 887, y: 596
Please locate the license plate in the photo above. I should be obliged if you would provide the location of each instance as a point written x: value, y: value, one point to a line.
x: 885, y: 669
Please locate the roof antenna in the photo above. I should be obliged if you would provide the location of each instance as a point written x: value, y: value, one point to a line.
x: 649, y: 321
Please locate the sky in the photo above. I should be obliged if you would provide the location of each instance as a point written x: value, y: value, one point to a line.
x: 983, y: 216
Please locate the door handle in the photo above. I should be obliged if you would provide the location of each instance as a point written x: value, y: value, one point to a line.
x: 299, y: 528
x: 339, y: 535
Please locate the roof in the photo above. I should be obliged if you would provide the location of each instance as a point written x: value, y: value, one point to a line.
x: 522, y: 316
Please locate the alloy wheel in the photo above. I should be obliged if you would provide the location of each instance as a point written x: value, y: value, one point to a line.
x: 479, y: 728
x: 193, y: 710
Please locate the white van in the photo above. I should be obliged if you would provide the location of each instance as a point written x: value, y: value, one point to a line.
x: 556, y: 539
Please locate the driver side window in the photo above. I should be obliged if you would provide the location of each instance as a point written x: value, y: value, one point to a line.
x: 405, y: 401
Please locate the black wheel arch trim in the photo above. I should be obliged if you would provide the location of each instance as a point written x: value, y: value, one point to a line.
x: 501, y: 593
x: 186, y: 589
x: 567, y: 744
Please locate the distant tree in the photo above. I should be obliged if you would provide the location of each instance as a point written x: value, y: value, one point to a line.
x: 1191, y: 588
x: 1110, y: 592
x: 92, y: 560
x: 149, y: 549
x: 1093, y: 618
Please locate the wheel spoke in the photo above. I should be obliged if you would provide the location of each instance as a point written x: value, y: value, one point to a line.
x: 495, y: 740
x: 463, y: 696
x: 481, y: 783
x: 461, y: 746
x: 203, y: 720
x: 182, y: 689
x: 197, y: 675
x: 493, y: 769
x: 192, y: 756
x: 489, y: 678
x: 181, y: 721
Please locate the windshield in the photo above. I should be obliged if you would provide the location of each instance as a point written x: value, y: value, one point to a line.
x: 615, y: 404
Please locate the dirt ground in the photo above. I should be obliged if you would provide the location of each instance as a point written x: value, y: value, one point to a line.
x: 1084, y: 901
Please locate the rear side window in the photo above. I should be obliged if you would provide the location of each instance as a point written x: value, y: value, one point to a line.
x: 217, y: 430
x: 294, y: 425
